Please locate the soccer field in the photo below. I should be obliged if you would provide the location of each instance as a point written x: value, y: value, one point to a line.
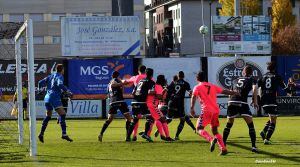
x: 190, y: 151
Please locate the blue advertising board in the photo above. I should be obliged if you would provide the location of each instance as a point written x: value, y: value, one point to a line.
x: 90, y: 78
x: 289, y: 66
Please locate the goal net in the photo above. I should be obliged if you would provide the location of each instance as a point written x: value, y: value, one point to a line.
x: 17, y: 106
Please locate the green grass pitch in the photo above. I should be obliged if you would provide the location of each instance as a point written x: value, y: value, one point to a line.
x: 190, y: 151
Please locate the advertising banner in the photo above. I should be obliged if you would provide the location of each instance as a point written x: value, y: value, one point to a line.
x: 289, y: 67
x: 76, y: 109
x: 171, y: 66
x: 222, y: 102
x: 90, y: 78
x: 288, y: 105
x: 42, y: 69
x: 223, y: 70
x: 100, y: 36
x: 241, y: 35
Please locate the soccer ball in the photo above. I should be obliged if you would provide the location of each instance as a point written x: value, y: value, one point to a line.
x: 203, y: 29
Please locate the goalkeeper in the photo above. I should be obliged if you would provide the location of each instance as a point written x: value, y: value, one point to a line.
x: 55, y: 86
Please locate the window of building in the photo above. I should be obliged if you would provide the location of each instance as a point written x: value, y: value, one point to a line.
x: 293, y: 2
x: 178, y: 30
x: 38, y: 40
x: 57, y: 16
x: 1, y: 18
x: 98, y: 14
x: 218, y: 10
x: 158, y: 18
x: 16, y: 17
x: 175, y: 14
x: 179, y: 13
x: 36, y: 16
x: 269, y: 11
x: 161, y: 18
x: 56, y: 39
x: 78, y: 14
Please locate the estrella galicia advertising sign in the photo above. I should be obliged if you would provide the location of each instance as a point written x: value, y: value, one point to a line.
x: 90, y: 78
x: 223, y: 71
x: 289, y: 67
x: 42, y: 69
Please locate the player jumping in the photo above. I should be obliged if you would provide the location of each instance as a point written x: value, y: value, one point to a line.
x: 115, y: 89
x: 55, y: 86
x: 238, y: 105
x: 176, y: 103
x: 207, y: 94
x: 269, y: 84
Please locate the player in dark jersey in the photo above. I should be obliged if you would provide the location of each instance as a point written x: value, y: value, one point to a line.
x: 65, y: 97
x: 238, y: 104
x: 115, y: 89
x: 135, y: 80
x: 139, y: 105
x: 176, y: 108
x: 269, y: 84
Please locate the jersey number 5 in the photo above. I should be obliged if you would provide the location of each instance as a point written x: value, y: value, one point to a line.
x: 208, y: 89
x: 240, y: 83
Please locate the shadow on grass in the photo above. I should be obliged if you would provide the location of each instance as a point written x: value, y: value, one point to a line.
x: 18, y: 156
x: 273, y: 155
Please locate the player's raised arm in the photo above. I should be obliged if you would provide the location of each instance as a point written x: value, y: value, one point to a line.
x: 230, y: 92
x: 42, y: 82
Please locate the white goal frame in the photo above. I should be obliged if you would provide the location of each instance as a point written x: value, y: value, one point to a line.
x: 28, y: 29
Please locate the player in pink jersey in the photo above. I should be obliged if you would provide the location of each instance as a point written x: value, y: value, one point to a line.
x: 207, y: 95
x: 135, y: 80
x: 153, y: 101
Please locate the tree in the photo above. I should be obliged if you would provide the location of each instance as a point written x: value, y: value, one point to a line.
x: 282, y: 15
x: 247, y: 7
x: 251, y: 7
x: 286, y: 42
x: 227, y: 7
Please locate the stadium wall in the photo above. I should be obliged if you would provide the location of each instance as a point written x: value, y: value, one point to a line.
x: 87, y: 105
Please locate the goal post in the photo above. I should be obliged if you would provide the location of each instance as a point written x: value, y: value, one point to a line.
x: 28, y: 29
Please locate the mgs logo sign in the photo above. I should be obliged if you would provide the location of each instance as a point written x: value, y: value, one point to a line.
x: 234, y: 69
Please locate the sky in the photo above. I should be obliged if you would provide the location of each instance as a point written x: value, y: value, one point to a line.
x: 147, y: 2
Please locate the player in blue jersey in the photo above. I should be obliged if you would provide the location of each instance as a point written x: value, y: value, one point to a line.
x: 55, y: 86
